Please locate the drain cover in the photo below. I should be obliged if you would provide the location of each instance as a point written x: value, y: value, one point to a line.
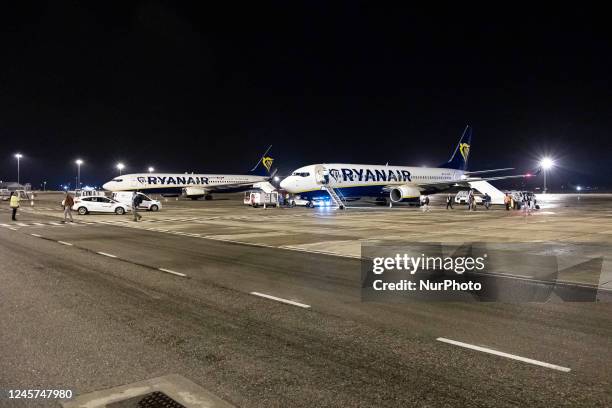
x: 170, y: 391
x: 152, y: 400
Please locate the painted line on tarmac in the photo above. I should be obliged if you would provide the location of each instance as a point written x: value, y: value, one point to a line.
x: 289, y: 302
x: 316, y: 251
x: 182, y: 275
x: 106, y: 254
x: 506, y: 355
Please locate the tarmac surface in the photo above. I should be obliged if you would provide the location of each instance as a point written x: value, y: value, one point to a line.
x: 262, y: 308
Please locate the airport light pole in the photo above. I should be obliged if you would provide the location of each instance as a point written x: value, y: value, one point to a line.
x: 78, y: 163
x: 120, y: 167
x: 18, y: 156
x: 547, y: 163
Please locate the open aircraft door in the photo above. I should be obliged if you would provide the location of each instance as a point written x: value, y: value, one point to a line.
x: 321, y: 174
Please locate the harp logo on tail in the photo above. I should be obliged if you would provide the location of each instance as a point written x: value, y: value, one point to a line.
x: 464, y: 149
x: 267, y: 162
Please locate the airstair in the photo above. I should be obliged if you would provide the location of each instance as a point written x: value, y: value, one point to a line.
x: 497, y: 196
x: 335, y: 197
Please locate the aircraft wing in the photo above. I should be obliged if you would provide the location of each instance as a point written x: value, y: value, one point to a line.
x: 526, y: 175
x: 464, y: 182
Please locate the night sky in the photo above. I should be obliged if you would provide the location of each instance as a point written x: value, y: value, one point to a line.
x: 191, y: 88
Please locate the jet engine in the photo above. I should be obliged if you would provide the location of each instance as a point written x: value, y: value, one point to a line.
x: 195, y: 192
x: 404, y: 193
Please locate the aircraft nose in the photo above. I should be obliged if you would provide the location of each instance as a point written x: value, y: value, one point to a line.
x: 106, y: 186
x: 284, y: 184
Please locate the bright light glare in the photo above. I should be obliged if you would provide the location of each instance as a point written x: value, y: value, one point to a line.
x: 18, y: 155
x: 151, y: 169
x: 547, y: 163
x: 79, y: 161
x: 578, y: 188
x: 120, y: 166
x: 276, y: 178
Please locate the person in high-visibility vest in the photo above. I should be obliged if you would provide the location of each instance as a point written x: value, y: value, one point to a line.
x: 14, y: 204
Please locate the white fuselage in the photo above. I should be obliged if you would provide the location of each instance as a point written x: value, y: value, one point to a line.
x: 357, y: 180
x: 172, y: 183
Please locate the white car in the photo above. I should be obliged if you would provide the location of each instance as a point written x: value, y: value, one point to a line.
x: 147, y: 202
x: 301, y: 202
x: 462, y: 196
x: 99, y: 204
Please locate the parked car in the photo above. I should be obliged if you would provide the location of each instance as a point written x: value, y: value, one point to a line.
x: 147, y: 203
x: 99, y: 204
x: 301, y: 202
x: 258, y: 198
x: 5, y: 194
x: 462, y: 196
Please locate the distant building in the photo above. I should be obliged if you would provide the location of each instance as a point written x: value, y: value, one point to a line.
x: 12, y: 186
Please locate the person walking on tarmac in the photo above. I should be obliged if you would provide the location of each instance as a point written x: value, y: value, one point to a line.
x: 507, y: 201
x: 471, y: 201
x: 449, y: 202
x: 68, y: 203
x: 136, y: 201
x: 487, y: 201
x: 14, y: 204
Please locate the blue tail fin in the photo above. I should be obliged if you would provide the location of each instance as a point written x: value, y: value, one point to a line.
x: 264, y: 165
x: 459, y: 159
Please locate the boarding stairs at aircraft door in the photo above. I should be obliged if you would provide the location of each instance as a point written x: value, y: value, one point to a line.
x: 265, y: 186
x: 335, y: 197
x: 497, y: 197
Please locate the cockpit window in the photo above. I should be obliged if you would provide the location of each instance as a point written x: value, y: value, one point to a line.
x: 118, y: 180
x: 301, y: 174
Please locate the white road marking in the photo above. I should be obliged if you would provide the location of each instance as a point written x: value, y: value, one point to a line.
x: 21, y: 224
x: 5, y: 225
x: 502, y: 354
x: 172, y: 272
x: 36, y: 235
x: 64, y: 243
x: 55, y: 223
x: 105, y: 254
x: 289, y: 302
x: 40, y: 224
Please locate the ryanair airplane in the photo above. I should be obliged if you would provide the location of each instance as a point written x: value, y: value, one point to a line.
x: 194, y: 186
x: 395, y: 183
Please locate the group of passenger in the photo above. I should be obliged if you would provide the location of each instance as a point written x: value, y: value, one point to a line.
x: 524, y: 201
x: 68, y: 203
x: 470, y: 201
